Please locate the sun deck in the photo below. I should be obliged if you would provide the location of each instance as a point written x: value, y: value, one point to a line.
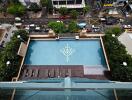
x: 58, y: 71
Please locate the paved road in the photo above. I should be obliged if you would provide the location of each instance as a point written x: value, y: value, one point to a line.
x: 38, y: 21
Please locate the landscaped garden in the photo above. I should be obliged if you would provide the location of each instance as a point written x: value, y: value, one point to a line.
x: 9, y: 60
x: 60, y: 27
x: 119, y: 60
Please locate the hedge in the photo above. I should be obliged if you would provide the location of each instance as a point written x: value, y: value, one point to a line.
x: 9, y: 53
x: 117, y: 54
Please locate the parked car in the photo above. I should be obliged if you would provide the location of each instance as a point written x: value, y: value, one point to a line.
x: 32, y: 25
x: 89, y: 30
x: 111, y: 21
x: 46, y: 30
x: 17, y: 19
x: 64, y: 17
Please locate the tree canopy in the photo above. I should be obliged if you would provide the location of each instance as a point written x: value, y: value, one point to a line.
x: 86, y: 9
x: 16, y: 9
x: 74, y: 14
x: 34, y: 7
x: 44, y: 3
x: 9, y: 53
x: 72, y: 27
x: 58, y: 27
x: 117, y: 54
x: 63, y: 10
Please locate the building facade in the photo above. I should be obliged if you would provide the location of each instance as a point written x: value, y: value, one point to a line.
x: 27, y: 2
x: 68, y: 3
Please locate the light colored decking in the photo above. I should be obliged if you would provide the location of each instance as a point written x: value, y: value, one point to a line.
x: 98, y: 70
x: 126, y: 40
x: 91, y: 35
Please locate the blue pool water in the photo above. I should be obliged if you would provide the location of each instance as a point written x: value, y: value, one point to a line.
x: 65, y: 52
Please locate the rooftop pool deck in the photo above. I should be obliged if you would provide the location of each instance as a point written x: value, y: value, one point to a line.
x: 67, y: 57
x: 81, y: 60
x: 65, y: 52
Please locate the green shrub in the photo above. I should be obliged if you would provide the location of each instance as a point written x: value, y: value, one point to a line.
x: 16, y: 9
x: 58, y: 27
x: 117, y: 54
x: 63, y: 11
x: 9, y: 53
x: 74, y: 14
x: 72, y: 27
x: 34, y: 7
x: 86, y: 9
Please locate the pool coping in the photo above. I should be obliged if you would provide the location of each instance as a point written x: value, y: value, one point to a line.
x: 100, y: 38
x: 105, y: 55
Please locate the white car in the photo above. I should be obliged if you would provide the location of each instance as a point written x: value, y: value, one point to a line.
x: 32, y: 25
x: 17, y: 19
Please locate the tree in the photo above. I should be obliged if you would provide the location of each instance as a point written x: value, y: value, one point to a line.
x: 49, y: 6
x: 72, y: 27
x: 74, y: 14
x: 14, y: 1
x: 9, y: 53
x: 58, y: 27
x: 63, y: 10
x: 117, y: 31
x: 2, y: 9
x: 86, y: 9
x: 44, y: 3
x: 114, y: 30
x: 16, y: 9
x: 34, y: 7
x: 117, y: 54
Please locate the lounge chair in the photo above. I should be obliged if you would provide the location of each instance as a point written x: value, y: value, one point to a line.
x: 36, y: 73
x: 52, y: 73
x: 57, y: 72
x: 41, y: 73
x: 30, y: 72
x: 46, y: 73
x: 69, y: 72
x: 63, y: 73
x: 25, y: 73
x: 49, y: 73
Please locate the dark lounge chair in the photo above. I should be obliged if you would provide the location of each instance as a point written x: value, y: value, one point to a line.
x: 41, y: 73
x: 36, y: 73
x: 25, y: 73
x: 46, y: 73
x: 57, y: 72
x: 63, y: 73
x: 30, y: 71
x: 52, y: 73
x: 69, y: 72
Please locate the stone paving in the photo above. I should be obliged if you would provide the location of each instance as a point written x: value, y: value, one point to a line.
x: 126, y: 40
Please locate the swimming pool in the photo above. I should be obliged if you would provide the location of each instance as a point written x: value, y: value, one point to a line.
x: 65, y: 52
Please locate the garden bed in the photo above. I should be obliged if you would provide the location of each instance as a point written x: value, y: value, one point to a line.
x: 117, y: 55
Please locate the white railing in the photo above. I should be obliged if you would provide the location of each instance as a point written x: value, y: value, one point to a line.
x: 70, y: 6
